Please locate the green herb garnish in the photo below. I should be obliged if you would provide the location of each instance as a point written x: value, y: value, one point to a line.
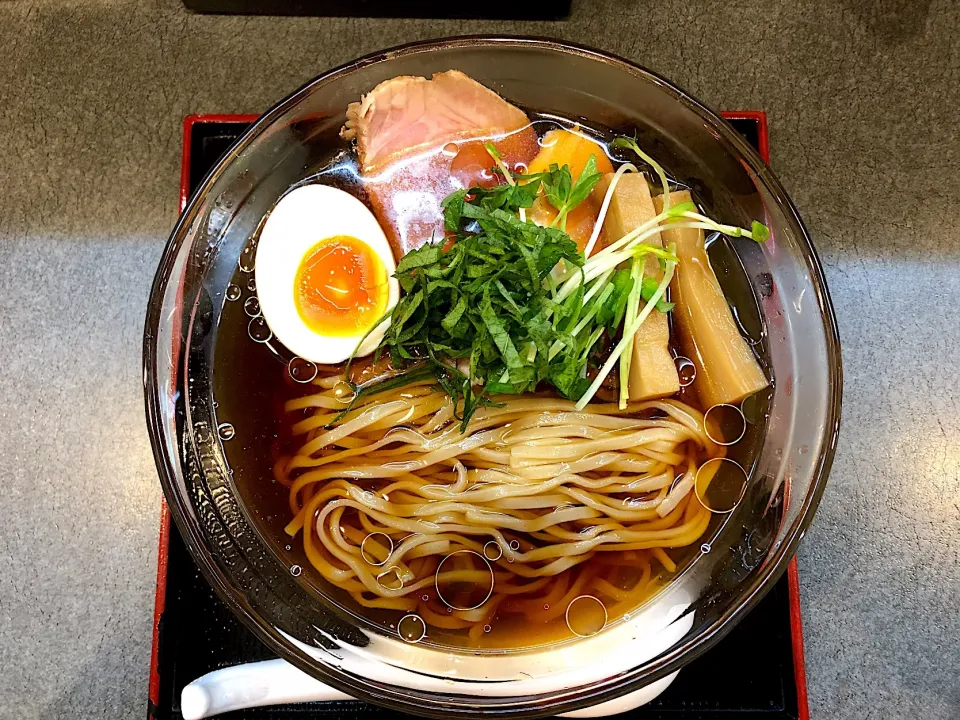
x: 563, y: 193
x: 648, y: 288
x: 759, y: 231
x: 510, y: 305
x: 486, y: 303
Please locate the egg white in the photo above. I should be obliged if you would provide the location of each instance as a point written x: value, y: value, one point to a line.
x: 301, y: 219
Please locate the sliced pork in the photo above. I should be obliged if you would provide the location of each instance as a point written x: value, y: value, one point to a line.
x: 418, y: 140
x: 405, y: 115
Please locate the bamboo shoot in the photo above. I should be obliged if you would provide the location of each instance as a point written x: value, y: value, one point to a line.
x: 653, y: 373
x: 727, y: 371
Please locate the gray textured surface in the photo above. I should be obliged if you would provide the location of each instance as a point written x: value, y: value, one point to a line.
x: 864, y: 107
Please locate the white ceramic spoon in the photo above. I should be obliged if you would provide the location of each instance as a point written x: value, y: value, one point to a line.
x: 277, y: 682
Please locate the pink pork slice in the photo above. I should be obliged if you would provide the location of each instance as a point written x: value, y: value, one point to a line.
x: 406, y: 115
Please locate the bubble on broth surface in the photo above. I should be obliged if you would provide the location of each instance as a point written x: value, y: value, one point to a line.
x: 724, y: 424
x: 686, y: 370
x: 720, y: 484
x: 586, y: 616
x: 252, y: 284
x: 296, y: 570
x: 412, y: 628
x: 492, y: 551
x: 232, y: 293
x: 251, y: 306
x: 344, y: 392
x: 259, y: 331
x: 301, y: 370
x: 464, y: 580
x: 451, y: 149
x: 247, y: 258
x: 226, y: 431
x: 376, y: 548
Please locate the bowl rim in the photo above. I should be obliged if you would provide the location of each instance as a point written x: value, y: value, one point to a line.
x: 559, y: 702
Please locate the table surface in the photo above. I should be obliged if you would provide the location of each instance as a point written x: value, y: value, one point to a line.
x: 864, y: 107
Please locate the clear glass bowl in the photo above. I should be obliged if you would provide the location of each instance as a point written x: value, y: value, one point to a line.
x: 240, y: 558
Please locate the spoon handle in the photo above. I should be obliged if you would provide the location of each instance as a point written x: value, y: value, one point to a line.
x: 271, y: 682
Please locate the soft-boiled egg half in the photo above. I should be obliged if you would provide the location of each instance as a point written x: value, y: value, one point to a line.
x: 324, y: 273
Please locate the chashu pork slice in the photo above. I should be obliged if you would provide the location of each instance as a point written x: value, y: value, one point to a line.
x: 406, y: 115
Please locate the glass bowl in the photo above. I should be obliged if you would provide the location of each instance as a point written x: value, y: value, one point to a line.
x: 231, y: 539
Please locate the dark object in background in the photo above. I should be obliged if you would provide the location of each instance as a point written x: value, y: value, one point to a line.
x: 488, y: 9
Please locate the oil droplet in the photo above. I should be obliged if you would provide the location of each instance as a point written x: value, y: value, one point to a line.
x: 724, y: 424
x: 344, y: 392
x: 247, y: 257
x: 302, y: 371
x: 226, y: 431
x: 251, y: 306
x: 296, y: 570
x: 586, y: 616
x: 492, y: 551
x: 686, y: 370
x: 487, y: 628
x: 451, y: 150
x: 412, y: 628
x: 514, y: 544
x: 258, y: 330
x: 520, y: 168
x: 720, y: 484
x: 376, y: 548
x: 232, y: 293
x: 464, y: 580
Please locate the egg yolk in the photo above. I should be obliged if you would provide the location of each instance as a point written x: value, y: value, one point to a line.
x: 341, y: 287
